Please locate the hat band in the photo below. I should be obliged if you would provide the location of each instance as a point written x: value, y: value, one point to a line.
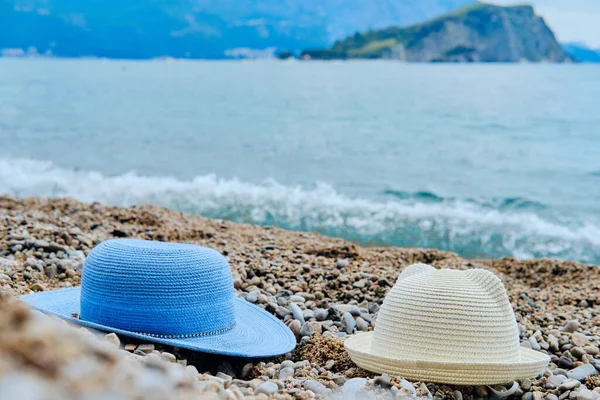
x: 189, y: 335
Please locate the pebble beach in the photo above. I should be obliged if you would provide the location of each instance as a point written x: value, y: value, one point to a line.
x: 323, y: 289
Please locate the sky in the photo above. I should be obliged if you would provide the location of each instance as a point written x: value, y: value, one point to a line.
x: 571, y: 20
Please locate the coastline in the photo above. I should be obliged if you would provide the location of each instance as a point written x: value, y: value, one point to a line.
x: 43, y: 243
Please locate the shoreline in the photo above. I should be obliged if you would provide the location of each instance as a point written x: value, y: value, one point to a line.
x: 43, y: 243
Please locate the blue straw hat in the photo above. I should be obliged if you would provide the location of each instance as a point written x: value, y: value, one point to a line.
x: 174, y: 294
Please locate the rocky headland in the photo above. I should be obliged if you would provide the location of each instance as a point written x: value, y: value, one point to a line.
x: 477, y: 33
x: 323, y: 288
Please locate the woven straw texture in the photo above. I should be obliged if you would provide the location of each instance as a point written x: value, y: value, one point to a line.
x: 447, y: 326
x: 175, y: 294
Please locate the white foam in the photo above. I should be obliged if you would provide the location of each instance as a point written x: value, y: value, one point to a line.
x: 454, y: 225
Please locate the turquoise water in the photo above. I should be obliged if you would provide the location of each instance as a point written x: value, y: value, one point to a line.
x: 484, y: 160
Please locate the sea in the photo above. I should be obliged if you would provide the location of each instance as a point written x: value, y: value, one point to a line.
x: 485, y: 160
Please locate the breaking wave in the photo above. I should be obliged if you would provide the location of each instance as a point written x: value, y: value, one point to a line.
x: 494, y: 228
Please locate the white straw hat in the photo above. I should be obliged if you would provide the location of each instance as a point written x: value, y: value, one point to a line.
x: 447, y: 326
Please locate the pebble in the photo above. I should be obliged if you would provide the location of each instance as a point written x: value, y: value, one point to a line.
x: 342, y: 263
x: 352, y: 387
x: 383, y: 381
x: 252, y: 297
x: 321, y: 314
x: 571, y: 326
x: 297, y: 312
x: 146, y: 348
x: 584, y: 394
x: 349, y: 323
x: 569, y: 385
x: 578, y: 339
x: 565, y: 362
x: 406, y: 384
x: 578, y: 352
x: 307, y: 330
x: 555, y: 381
x: 51, y: 271
x: 458, y: 395
x: 267, y: 388
x: 315, y: 387
x: 286, y: 373
x: 360, y: 283
x: 168, y: 357
x: 295, y: 326
x: 534, y: 344
x: 361, y: 324
x: 582, y: 372
x: 282, y: 311
x: 113, y: 339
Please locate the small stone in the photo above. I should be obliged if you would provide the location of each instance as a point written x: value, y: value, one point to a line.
x: 571, y: 326
x: 349, y: 323
x: 585, y: 394
x: 295, y: 327
x: 342, y: 263
x: 113, y: 339
x: 307, y: 330
x: 578, y: 339
x: 569, y: 385
x: 352, y: 387
x: 565, y: 362
x: 578, y: 352
x: 267, y: 388
x: 554, y: 381
x: 168, y: 357
x: 383, y: 381
x: 224, y: 376
x: 534, y: 344
x: 481, y: 391
x: 361, y: 324
x: 297, y: 312
x: 70, y: 272
x: 526, y: 344
x: 551, y: 396
x: 130, y: 346
x: 252, y: 298
x: 51, y: 271
x: 537, y: 396
x: 282, y: 311
x: 320, y: 314
x: 360, y: 283
x: 315, y: 387
x: 592, y: 350
x: 582, y: 372
x: 146, y: 348
x: 553, y: 342
x: 526, y: 384
x: 407, y: 385
x: 38, y: 287
x: 286, y: 373
x: 527, y: 396
x: 458, y: 395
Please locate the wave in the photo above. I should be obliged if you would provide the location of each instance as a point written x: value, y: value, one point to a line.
x: 423, y: 220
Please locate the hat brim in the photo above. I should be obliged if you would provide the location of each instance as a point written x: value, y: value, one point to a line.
x: 532, y: 364
x: 257, y: 333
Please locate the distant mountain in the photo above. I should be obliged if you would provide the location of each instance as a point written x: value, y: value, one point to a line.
x: 476, y: 33
x: 197, y: 28
x: 582, y: 52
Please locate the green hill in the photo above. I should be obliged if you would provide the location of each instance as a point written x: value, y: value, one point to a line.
x: 476, y: 33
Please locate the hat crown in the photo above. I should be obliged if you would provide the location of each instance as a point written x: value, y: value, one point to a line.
x: 447, y: 316
x: 157, y: 288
